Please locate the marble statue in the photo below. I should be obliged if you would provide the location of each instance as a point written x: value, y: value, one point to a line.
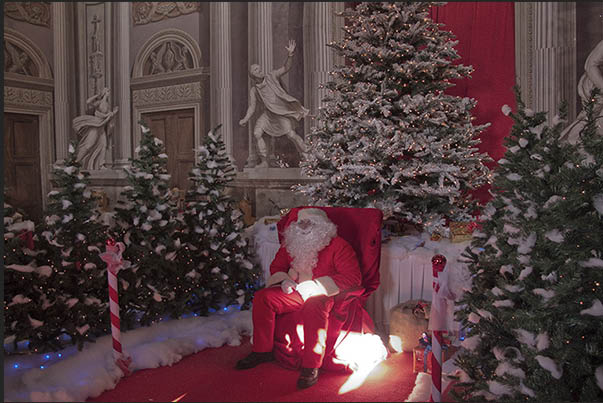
x: 93, y: 131
x: 592, y: 77
x: 281, y: 110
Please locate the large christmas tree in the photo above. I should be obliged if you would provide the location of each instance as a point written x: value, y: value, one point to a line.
x: 150, y: 288
x: 220, y: 270
x: 534, y: 309
x: 388, y: 136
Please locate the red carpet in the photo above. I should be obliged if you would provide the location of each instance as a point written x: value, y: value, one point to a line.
x: 209, y: 376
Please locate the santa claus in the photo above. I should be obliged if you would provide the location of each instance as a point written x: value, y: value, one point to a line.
x: 311, y: 267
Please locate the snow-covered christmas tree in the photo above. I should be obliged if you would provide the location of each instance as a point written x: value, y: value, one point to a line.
x: 23, y: 282
x: 146, y: 222
x: 72, y: 234
x: 535, y: 309
x: 388, y: 136
x: 220, y: 269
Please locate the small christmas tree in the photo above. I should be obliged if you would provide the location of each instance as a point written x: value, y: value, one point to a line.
x: 221, y: 270
x: 534, y: 308
x: 146, y: 222
x: 388, y: 136
x: 23, y: 282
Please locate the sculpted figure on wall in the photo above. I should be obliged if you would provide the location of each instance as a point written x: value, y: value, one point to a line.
x: 93, y: 131
x: 592, y: 78
x: 16, y: 60
x: 281, y: 110
x: 168, y: 57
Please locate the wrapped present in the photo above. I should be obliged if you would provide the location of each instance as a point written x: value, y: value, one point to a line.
x: 461, y: 231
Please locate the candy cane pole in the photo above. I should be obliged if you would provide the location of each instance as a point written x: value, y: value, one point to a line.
x: 114, y: 262
x: 438, y: 262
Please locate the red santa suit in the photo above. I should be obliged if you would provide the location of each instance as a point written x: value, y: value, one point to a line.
x: 336, y: 270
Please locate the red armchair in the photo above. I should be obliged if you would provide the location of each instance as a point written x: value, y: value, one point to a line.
x: 361, y: 227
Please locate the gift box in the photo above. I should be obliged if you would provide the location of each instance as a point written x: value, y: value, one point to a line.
x: 461, y: 231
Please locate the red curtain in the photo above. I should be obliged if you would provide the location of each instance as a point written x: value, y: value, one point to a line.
x: 486, y: 41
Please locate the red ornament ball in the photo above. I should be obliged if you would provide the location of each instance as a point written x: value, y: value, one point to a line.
x: 372, y: 192
x: 438, y: 260
x: 110, y: 242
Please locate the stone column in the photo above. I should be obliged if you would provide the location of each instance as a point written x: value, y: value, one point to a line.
x: 319, y: 59
x: 123, y: 135
x: 260, y: 52
x: 62, y: 79
x: 221, y: 71
x: 554, y: 57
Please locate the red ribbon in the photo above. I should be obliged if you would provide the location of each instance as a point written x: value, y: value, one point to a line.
x: 27, y: 237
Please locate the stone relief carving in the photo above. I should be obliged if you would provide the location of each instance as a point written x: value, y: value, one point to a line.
x: 37, y: 13
x: 96, y: 57
x: 170, y: 94
x: 151, y: 11
x: 168, y: 57
x: 25, y: 96
x: 16, y: 60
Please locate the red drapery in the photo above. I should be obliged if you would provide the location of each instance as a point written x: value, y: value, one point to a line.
x: 485, y: 31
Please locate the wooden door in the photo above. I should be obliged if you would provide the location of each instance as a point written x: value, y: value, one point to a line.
x: 22, y: 182
x: 177, y: 131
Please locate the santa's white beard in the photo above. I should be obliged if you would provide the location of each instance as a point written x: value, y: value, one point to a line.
x: 303, y: 245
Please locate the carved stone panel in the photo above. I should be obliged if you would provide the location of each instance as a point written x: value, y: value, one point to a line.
x: 27, y: 97
x: 37, y: 13
x: 168, y: 57
x: 150, y: 11
x: 16, y: 60
x: 180, y: 93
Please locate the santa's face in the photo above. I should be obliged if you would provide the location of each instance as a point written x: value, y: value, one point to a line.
x: 304, y: 239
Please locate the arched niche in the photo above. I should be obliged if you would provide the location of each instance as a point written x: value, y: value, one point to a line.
x: 23, y: 57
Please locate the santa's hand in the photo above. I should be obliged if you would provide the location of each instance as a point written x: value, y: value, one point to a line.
x: 242, y: 122
x: 288, y: 286
x: 309, y: 289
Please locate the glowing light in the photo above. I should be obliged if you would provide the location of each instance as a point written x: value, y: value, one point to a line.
x: 361, y: 353
x: 179, y: 397
x: 15, y: 365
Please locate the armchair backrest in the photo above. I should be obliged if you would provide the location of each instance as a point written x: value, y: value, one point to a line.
x: 361, y: 227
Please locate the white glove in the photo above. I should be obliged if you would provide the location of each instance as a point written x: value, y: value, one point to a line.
x: 288, y: 286
x: 309, y: 289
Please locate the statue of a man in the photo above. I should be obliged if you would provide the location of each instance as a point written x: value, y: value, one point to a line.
x: 93, y: 131
x: 592, y: 77
x: 281, y: 110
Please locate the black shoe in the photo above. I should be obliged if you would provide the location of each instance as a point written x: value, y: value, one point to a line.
x: 254, y: 359
x: 308, y: 377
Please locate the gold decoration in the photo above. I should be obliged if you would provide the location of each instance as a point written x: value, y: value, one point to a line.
x: 461, y: 231
x: 103, y: 200
x: 178, y: 197
x: 435, y: 237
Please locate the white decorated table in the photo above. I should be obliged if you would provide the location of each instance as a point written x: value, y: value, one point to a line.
x: 405, y: 270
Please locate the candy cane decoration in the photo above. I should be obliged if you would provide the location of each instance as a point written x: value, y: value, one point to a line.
x: 114, y: 263
x: 438, y: 262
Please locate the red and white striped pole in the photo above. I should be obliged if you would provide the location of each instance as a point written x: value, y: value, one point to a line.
x: 438, y: 262
x: 114, y: 263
